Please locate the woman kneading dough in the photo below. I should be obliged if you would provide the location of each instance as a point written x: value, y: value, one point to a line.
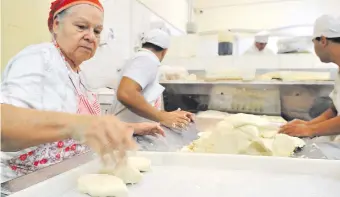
x: 47, y: 77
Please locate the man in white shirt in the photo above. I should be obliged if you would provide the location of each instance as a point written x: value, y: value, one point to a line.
x: 260, y: 46
x: 326, y: 41
x: 139, y: 92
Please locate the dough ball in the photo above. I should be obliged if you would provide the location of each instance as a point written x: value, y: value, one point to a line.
x: 140, y: 163
x: 102, y: 185
x: 128, y: 173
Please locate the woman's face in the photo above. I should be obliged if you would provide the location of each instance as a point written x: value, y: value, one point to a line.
x: 78, y: 33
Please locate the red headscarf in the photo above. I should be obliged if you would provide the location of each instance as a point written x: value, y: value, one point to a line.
x: 59, y: 5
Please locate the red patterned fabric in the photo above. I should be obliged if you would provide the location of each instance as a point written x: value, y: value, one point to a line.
x: 59, y: 5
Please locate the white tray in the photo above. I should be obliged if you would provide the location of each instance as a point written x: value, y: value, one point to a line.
x: 202, y: 175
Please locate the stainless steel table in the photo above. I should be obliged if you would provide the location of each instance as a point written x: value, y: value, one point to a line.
x: 172, y: 142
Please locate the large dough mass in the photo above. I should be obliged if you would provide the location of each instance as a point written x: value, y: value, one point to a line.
x: 245, y: 134
x: 102, y: 185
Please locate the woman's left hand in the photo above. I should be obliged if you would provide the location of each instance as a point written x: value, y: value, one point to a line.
x: 148, y: 128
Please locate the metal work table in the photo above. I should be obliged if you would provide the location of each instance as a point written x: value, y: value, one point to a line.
x: 173, y: 142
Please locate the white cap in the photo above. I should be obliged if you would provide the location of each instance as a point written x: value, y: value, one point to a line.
x: 157, y: 37
x: 262, y: 37
x: 327, y: 26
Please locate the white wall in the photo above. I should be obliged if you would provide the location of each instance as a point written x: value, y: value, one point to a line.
x: 173, y: 11
x: 128, y: 18
x: 258, y: 16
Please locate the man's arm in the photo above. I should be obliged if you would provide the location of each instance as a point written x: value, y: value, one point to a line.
x: 330, y: 113
x: 22, y: 128
x: 327, y: 127
x: 130, y: 94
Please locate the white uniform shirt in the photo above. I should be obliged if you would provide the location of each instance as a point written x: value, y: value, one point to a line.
x: 143, y: 69
x: 253, y: 50
x: 38, y: 78
x: 335, y: 94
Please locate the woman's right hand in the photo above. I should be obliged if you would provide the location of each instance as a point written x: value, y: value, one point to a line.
x: 104, y: 134
x: 176, y: 119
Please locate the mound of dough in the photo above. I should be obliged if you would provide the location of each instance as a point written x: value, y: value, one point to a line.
x: 238, y: 120
x: 245, y: 134
x: 102, y: 185
x: 140, y: 163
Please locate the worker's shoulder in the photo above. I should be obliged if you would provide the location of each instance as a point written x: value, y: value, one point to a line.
x: 35, y: 58
x: 146, y: 56
x: 45, y: 51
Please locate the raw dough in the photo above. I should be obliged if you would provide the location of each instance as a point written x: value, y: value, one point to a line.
x: 102, y: 185
x: 212, y: 114
x: 250, y: 130
x: 140, y: 163
x: 245, y: 134
x: 191, y: 77
x: 241, y: 119
x: 127, y: 172
x: 296, y: 76
x: 283, y: 145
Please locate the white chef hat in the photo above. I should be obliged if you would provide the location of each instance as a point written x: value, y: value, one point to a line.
x: 262, y: 37
x: 327, y: 26
x: 157, y: 37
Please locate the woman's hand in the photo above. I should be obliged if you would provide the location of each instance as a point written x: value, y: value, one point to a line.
x: 176, y: 119
x: 104, y: 134
x: 148, y: 128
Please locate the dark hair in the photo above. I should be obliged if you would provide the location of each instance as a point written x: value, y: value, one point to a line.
x: 336, y: 40
x: 152, y: 46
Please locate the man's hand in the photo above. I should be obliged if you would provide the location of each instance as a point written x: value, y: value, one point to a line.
x: 148, y: 128
x: 104, y: 134
x: 296, y: 122
x: 298, y: 130
x: 176, y: 119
